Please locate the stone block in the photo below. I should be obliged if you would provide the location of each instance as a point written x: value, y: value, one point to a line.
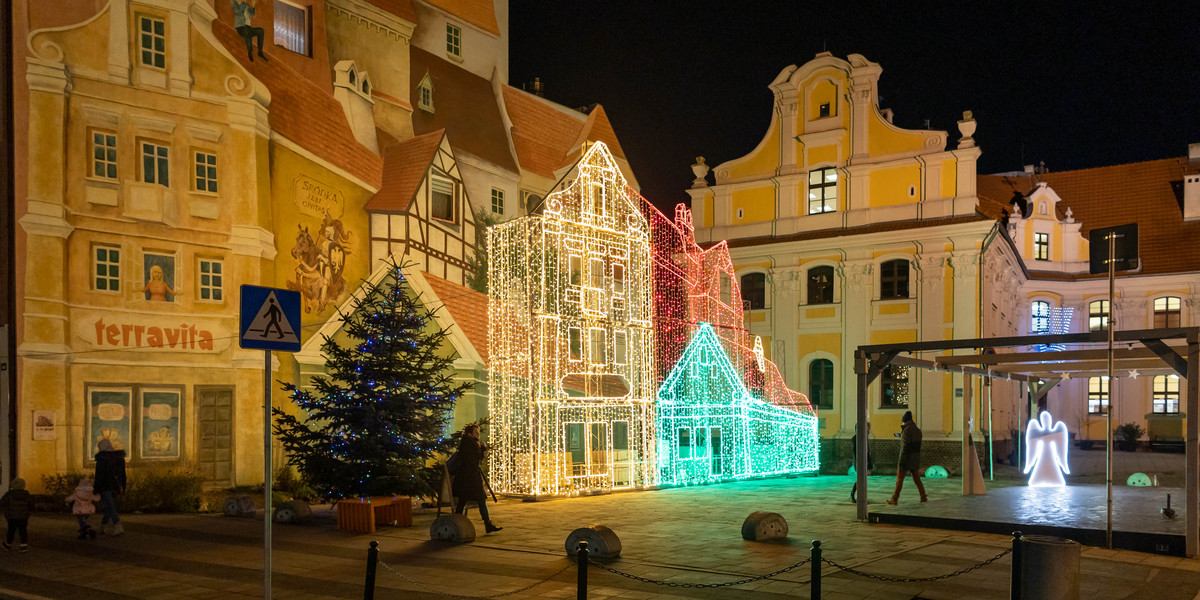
x: 292, y: 511
x: 761, y: 526
x: 602, y: 543
x: 452, y: 528
x: 239, y: 506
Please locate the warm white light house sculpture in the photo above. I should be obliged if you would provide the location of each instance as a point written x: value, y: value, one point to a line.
x: 1046, y: 444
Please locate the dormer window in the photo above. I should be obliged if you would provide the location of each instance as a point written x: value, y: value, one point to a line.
x: 1041, y: 246
x: 152, y: 41
x: 425, y: 94
x: 443, y: 196
x: 453, y: 40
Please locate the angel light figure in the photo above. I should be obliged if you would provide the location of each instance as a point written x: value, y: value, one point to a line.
x: 1046, y: 452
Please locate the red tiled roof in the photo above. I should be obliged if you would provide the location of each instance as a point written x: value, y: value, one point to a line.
x: 1147, y: 193
x: 479, y: 13
x: 597, y: 128
x: 400, y: 8
x: 305, y: 113
x: 465, y: 106
x: 467, y: 307
x: 548, y: 137
x: 876, y: 228
x: 404, y: 166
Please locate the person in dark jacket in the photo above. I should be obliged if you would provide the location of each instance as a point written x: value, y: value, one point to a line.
x: 110, y: 484
x: 854, y: 460
x: 468, y: 478
x: 17, y: 504
x: 910, y: 457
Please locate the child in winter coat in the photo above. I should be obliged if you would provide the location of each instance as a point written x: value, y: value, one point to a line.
x: 17, y: 505
x: 84, y: 499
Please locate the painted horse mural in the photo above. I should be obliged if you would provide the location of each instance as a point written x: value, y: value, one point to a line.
x: 320, y: 264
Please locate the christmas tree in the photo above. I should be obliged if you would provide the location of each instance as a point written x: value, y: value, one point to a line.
x: 372, y: 424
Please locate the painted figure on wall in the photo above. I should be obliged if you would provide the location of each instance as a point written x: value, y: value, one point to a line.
x: 1046, y: 445
x: 159, y: 277
x: 243, y: 14
x: 320, y: 263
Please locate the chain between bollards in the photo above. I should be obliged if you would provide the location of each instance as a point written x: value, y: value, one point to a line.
x: 1014, y: 586
x: 582, y: 558
x: 372, y: 560
x: 815, y: 582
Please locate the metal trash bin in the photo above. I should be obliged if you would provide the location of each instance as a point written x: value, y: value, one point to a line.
x: 1049, y: 568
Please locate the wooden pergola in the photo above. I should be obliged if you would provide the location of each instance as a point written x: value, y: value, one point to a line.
x: 1148, y: 349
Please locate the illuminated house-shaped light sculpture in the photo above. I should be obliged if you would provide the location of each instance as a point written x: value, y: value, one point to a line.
x: 712, y: 428
x: 572, y: 376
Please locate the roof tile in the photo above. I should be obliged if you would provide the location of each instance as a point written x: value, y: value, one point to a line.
x: 404, y: 166
x: 465, y: 106
x: 467, y: 307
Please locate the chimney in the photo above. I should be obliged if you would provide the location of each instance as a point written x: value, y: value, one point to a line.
x: 1029, y: 169
x: 1193, y: 153
x: 1191, y: 186
x: 352, y: 89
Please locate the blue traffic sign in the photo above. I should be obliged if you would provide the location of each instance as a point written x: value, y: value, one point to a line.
x: 270, y: 319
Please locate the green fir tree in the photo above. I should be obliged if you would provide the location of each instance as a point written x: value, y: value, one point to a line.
x: 371, y: 425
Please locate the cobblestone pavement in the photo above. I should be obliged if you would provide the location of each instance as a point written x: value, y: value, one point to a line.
x: 683, y: 535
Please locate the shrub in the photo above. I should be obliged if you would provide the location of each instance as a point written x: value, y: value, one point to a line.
x: 1130, y: 432
x: 292, y: 486
x: 163, y: 489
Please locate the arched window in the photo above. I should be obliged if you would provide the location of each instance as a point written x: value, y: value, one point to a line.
x: 1098, y: 315
x: 893, y: 279
x: 754, y: 291
x: 1166, y: 312
x: 1166, y: 394
x: 1040, y: 322
x: 820, y: 285
x: 820, y: 383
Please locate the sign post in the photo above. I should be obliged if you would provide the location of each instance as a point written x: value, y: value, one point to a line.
x: 270, y: 320
x: 1119, y: 251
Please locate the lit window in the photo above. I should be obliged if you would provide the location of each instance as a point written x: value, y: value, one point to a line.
x: 618, y: 278
x: 822, y: 191
x: 893, y: 279
x: 895, y: 387
x: 1166, y: 394
x: 104, y: 155
x: 155, y: 164
x: 596, y: 269
x: 206, y: 172
x: 442, y: 198
x: 108, y: 269
x: 211, y: 277
x: 820, y: 285
x: 621, y: 348
x: 1041, y: 246
x: 153, y: 42
x: 1166, y: 312
x: 1097, y: 395
x: 598, y: 355
x: 726, y: 289
x: 575, y: 265
x: 292, y: 27
x: 1098, y: 315
x: 575, y: 343
x: 497, y: 201
x: 1040, y: 322
x: 754, y: 291
x: 685, y: 442
x: 453, y: 40
x: 820, y: 383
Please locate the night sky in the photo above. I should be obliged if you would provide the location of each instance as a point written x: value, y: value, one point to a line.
x: 1074, y: 86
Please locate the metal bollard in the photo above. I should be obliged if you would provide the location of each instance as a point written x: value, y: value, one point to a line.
x: 815, y: 582
x: 372, y: 560
x: 1014, y: 586
x: 582, y: 558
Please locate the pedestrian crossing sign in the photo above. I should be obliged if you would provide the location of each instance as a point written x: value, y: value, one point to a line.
x: 270, y: 319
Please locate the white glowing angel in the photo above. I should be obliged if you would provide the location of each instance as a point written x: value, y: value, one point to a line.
x: 1046, y: 445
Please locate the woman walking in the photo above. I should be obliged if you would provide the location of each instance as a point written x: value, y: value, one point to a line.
x: 110, y: 484
x: 468, y: 478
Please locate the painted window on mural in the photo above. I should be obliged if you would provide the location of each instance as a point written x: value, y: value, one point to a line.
x: 104, y: 155
x: 1167, y: 312
x: 1098, y: 315
x: 211, y: 280
x: 206, y: 172
x: 1097, y: 395
x: 820, y: 285
x: 754, y: 291
x: 442, y: 194
x: 159, y: 277
x: 156, y: 164
x: 497, y: 201
x: 895, y: 387
x: 453, y: 40
x: 108, y: 268
x: 1166, y: 394
x: 160, y: 424
x: 822, y: 191
x: 1041, y: 246
x: 292, y: 28
x: 152, y: 42
x: 893, y: 280
x: 820, y: 383
x: 109, y: 417
x: 1040, y: 320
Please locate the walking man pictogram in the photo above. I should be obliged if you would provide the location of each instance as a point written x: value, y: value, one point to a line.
x: 273, y: 315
